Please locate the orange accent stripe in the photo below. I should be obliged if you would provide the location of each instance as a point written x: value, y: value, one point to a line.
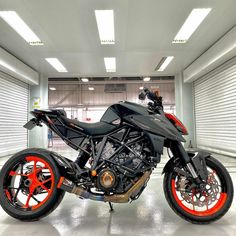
x: 12, y: 173
x: 60, y: 182
x: 8, y: 194
x: 214, y: 209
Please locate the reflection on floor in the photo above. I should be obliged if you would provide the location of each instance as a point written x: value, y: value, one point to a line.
x: 149, y: 215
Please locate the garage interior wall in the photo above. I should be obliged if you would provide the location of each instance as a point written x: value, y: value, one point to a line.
x: 215, y: 109
x: 85, y: 105
x: 39, y: 135
x: 184, y: 108
x: 14, y: 97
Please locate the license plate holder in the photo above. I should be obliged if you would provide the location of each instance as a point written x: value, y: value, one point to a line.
x: 30, y: 124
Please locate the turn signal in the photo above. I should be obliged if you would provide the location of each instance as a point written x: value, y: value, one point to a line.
x: 93, y: 172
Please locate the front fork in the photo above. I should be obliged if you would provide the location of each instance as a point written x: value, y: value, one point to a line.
x: 178, y: 150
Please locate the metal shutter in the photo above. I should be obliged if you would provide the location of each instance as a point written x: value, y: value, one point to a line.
x: 14, y: 96
x: 215, y: 109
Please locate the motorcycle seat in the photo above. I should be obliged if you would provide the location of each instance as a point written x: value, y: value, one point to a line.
x: 98, y: 128
x: 59, y: 112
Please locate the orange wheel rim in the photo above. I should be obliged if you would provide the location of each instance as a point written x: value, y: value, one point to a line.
x: 219, y: 203
x: 36, y: 182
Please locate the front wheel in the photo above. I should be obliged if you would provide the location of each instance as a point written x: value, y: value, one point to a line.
x: 200, y: 206
x: 28, y: 185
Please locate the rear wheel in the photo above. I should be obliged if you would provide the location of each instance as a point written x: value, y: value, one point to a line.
x: 28, y: 185
x: 200, y: 206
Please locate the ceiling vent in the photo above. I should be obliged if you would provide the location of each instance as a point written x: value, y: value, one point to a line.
x: 115, y: 88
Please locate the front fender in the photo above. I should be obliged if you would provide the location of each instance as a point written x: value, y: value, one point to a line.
x: 169, y: 166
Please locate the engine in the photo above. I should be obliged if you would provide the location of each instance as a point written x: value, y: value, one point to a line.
x: 125, y: 168
x: 128, y: 158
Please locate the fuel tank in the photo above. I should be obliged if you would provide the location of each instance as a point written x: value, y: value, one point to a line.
x: 144, y: 119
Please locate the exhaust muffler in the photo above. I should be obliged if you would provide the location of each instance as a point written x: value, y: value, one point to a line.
x: 70, y: 187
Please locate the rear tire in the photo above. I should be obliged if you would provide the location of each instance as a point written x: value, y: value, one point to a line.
x: 36, y: 169
x: 208, y: 215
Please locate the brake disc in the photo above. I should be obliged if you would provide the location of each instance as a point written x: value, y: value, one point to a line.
x: 198, y: 197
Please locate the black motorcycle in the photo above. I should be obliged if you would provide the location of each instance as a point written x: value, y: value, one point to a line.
x: 116, y: 158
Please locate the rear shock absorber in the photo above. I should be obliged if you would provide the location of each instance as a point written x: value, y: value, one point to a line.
x: 83, y: 157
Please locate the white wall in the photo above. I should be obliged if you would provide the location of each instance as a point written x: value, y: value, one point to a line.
x: 221, y: 51
x: 16, y: 68
x: 184, y: 107
x: 38, y: 137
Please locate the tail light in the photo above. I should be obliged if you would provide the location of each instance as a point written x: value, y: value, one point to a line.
x: 177, y: 123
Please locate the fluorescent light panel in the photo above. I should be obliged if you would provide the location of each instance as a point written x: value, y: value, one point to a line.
x: 55, y: 63
x: 85, y: 80
x: 14, y: 20
x: 110, y: 64
x: 52, y: 88
x: 91, y: 88
x: 165, y: 61
x: 146, y: 79
x: 194, y: 19
x: 105, y: 24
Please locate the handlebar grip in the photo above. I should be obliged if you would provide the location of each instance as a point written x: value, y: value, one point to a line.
x: 142, y: 96
x: 147, y: 93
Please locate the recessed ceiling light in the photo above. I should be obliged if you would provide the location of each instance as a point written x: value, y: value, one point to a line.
x: 56, y: 64
x: 4, y: 64
x: 146, y: 79
x: 14, y: 20
x: 141, y: 88
x: 194, y: 19
x: 85, y: 80
x: 91, y: 88
x: 105, y: 24
x: 110, y: 64
x: 52, y: 88
x: 164, y: 62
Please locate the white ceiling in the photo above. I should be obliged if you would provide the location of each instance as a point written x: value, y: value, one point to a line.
x: 144, y: 30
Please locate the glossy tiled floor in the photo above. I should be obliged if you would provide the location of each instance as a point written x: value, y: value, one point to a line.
x: 149, y: 215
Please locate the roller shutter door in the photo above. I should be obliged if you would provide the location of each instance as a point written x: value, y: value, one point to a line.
x: 215, y: 109
x: 14, y: 96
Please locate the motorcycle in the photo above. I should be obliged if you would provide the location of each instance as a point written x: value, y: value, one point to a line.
x: 116, y: 158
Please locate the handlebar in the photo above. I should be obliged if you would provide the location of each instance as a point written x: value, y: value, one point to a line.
x: 147, y: 93
x: 152, y: 96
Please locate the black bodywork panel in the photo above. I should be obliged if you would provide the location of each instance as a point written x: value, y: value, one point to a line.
x: 141, y: 117
x: 156, y: 126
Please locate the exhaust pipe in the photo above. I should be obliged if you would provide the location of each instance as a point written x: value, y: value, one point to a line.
x: 70, y: 187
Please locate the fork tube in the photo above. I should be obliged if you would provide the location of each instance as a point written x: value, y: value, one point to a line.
x: 178, y: 150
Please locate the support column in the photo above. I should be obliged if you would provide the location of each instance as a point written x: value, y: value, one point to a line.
x: 38, y: 137
x: 184, y: 107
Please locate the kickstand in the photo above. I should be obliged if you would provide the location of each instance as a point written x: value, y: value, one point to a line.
x: 111, y: 207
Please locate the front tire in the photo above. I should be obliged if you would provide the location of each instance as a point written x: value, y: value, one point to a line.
x: 201, y: 207
x: 28, y: 185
